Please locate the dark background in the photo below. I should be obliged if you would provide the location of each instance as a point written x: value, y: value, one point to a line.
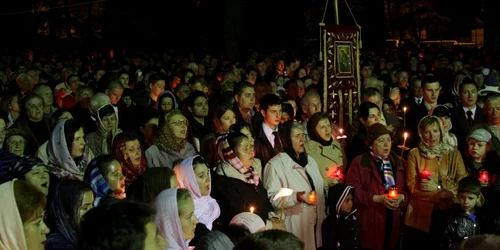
x: 232, y: 26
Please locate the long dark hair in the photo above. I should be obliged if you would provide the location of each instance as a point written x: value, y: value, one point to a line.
x: 63, y: 211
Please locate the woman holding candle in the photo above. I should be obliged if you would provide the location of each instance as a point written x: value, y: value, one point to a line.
x: 237, y: 184
x: 294, y: 169
x: 376, y: 175
x: 433, y: 172
x: 326, y: 151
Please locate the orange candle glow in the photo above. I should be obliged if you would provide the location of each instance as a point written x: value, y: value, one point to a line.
x: 252, y: 209
x: 393, y: 192
x: 341, y: 131
x: 312, y: 197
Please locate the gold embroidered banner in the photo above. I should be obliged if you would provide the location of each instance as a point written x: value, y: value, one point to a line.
x: 341, y: 73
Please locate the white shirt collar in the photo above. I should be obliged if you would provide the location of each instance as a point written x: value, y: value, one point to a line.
x: 473, y: 111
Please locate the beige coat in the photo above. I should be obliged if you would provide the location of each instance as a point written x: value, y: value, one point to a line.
x: 329, y: 159
x: 300, y: 218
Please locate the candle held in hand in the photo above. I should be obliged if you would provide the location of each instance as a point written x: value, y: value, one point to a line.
x: 425, y: 175
x: 311, y: 198
x: 393, y: 192
x: 483, y: 175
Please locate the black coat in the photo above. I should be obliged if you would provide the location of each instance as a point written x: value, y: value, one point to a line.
x: 340, y: 230
x: 235, y: 196
x: 459, y: 227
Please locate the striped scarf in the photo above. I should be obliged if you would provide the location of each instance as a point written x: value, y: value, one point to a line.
x: 229, y: 156
x: 100, y: 186
x: 386, y: 169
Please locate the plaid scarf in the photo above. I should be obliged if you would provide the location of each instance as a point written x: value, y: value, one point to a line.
x: 100, y: 186
x: 230, y: 157
x: 386, y: 169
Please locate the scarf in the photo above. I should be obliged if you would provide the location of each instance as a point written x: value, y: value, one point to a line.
x: 437, y: 151
x: 167, y: 220
x: 206, y: 209
x: 60, y: 161
x: 228, y: 155
x: 11, y: 226
x: 130, y: 171
x: 386, y: 170
x: 166, y: 141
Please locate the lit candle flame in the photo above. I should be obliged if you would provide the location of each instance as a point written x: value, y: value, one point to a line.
x: 312, y: 197
x: 341, y: 131
x: 404, y: 109
x: 252, y: 209
x: 406, y: 135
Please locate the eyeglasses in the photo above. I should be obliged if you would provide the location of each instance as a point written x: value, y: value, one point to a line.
x: 180, y: 123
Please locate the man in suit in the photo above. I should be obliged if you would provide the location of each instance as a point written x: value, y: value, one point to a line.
x: 268, y: 143
x: 466, y: 114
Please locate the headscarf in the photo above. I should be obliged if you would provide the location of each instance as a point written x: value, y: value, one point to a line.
x: 163, y: 94
x: 101, y: 189
x: 251, y: 221
x: 60, y: 161
x: 11, y: 225
x: 165, y: 140
x: 285, y: 134
x: 105, y: 144
x: 227, y: 154
x: 167, y: 220
x: 150, y: 184
x: 63, y: 211
x: 24, y: 165
x: 131, y: 172
x: 437, y: 151
x: 206, y: 208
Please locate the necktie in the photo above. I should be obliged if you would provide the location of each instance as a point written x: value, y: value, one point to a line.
x: 469, y: 118
x: 418, y: 102
x: 277, y: 142
x: 388, y: 176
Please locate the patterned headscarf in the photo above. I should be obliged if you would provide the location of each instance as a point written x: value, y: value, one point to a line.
x: 23, y: 165
x: 60, y: 161
x: 439, y: 150
x: 165, y: 139
x: 227, y: 154
x: 131, y: 172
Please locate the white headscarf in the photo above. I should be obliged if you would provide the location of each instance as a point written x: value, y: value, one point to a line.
x: 60, y: 162
x: 206, y: 208
x: 167, y: 220
x: 11, y: 226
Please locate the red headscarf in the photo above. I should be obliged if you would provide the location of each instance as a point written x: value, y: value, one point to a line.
x: 130, y: 171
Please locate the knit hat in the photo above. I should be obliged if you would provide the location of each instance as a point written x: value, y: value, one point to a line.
x: 23, y: 165
x: 252, y: 221
x: 374, y: 131
x: 480, y: 134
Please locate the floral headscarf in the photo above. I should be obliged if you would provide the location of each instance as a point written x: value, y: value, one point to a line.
x: 439, y: 150
x: 60, y: 161
x: 165, y: 139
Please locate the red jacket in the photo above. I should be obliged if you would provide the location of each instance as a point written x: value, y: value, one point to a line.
x: 364, y: 176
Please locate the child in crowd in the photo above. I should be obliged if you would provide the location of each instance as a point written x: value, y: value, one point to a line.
x: 463, y: 222
x: 341, y: 229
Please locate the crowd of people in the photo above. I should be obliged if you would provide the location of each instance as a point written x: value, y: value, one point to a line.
x: 162, y: 151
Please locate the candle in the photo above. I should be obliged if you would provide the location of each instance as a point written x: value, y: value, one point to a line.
x: 483, y: 176
x: 282, y: 193
x: 404, y: 144
x: 404, y: 117
x: 341, y: 136
x: 426, y: 175
x: 393, y: 192
x: 312, y: 197
x: 252, y: 209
